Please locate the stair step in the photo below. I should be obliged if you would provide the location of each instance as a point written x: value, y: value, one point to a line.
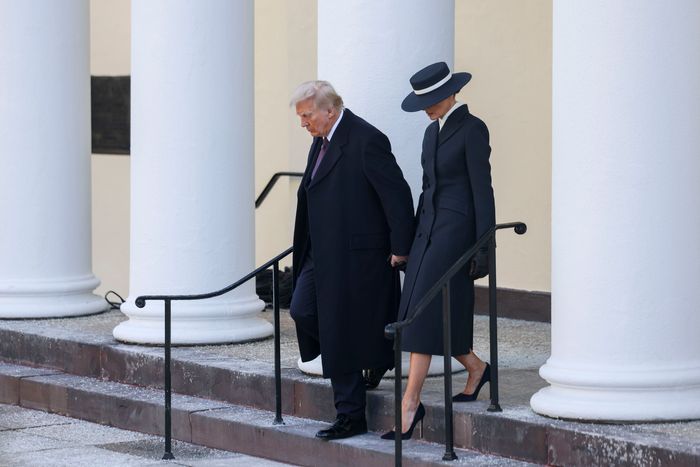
x: 85, y: 347
x: 212, y: 423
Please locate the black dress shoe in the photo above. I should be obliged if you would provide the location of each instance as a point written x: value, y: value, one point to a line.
x: 343, y: 427
x: 373, y: 377
x: 485, y: 378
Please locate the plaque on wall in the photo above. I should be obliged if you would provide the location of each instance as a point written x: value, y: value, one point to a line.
x: 110, y: 114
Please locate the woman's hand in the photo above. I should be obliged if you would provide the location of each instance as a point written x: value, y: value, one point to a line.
x: 398, y: 261
x: 480, y: 264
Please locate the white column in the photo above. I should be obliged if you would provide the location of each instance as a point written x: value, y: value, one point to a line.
x: 45, y: 237
x: 368, y: 50
x: 626, y: 212
x: 192, y: 224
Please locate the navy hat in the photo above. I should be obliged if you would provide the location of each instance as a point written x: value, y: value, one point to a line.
x: 433, y: 84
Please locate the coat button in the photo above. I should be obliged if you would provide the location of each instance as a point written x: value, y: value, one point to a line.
x: 422, y: 211
x: 422, y: 161
x: 420, y: 234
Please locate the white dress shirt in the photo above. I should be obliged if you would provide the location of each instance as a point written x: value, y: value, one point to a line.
x: 335, y: 125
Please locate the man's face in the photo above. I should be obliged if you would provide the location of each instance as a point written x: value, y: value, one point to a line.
x: 318, y: 122
x: 441, y: 108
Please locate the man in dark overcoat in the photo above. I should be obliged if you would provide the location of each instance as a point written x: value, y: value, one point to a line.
x: 354, y: 225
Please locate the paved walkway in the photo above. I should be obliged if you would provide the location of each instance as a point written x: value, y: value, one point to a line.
x: 34, y: 438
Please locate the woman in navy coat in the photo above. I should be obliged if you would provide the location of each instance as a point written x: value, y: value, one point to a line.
x: 455, y: 208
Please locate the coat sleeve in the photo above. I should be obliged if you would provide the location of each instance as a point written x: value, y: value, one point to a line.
x: 386, y: 178
x: 418, y: 209
x: 477, y: 154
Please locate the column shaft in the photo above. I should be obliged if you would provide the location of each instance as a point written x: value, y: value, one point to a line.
x: 368, y: 50
x: 45, y: 236
x: 192, y: 224
x: 626, y: 212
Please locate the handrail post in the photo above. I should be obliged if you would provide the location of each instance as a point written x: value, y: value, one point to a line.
x: 141, y: 300
x: 493, y: 326
x: 168, y: 385
x: 393, y: 330
x: 398, y: 430
x: 447, y: 356
x: 278, y: 364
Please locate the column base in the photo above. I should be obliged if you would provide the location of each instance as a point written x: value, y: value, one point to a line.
x: 195, y: 323
x: 437, y: 368
x: 187, y: 332
x: 58, y: 306
x: 609, y: 395
x: 50, y: 299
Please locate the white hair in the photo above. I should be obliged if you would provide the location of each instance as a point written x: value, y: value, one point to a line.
x: 321, y: 92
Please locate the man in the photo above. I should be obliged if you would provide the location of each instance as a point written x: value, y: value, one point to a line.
x: 354, y: 225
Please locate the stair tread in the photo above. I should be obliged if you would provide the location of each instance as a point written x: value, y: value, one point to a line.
x: 256, y: 423
x: 84, y: 346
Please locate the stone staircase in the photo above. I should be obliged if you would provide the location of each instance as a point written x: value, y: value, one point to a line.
x: 208, y: 422
x: 225, y: 400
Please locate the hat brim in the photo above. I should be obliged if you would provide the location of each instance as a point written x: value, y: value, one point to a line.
x: 415, y: 102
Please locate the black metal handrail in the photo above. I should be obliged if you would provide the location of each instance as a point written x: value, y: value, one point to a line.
x: 271, y: 183
x: 168, y: 299
x: 393, y: 331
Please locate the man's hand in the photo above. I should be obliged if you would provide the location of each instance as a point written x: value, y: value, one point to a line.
x: 398, y: 261
x: 480, y: 264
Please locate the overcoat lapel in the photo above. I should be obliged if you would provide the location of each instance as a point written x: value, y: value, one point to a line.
x: 335, y: 149
x: 453, y: 123
x: 431, y: 140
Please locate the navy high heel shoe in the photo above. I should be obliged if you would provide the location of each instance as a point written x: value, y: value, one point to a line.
x: 485, y: 378
x: 420, y: 413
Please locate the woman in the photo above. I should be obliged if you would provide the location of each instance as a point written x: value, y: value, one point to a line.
x: 455, y: 209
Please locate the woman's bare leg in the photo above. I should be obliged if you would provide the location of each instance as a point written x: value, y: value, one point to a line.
x: 476, y: 367
x: 417, y: 372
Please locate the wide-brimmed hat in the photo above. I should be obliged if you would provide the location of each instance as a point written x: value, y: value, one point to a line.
x: 433, y: 84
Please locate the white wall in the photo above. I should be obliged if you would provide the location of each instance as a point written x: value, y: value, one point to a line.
x: 110, y: 41
x: 507, y: 46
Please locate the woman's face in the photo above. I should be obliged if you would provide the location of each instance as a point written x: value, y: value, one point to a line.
x: 438, y: 110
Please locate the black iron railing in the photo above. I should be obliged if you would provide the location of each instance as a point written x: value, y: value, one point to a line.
x: 271, y: 183
x: 393, y: 331
x: 168, y: 299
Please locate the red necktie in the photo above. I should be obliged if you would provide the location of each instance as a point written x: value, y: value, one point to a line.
x: 324, y: 147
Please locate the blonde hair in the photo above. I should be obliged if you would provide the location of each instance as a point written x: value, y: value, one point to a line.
x: 321, y: 92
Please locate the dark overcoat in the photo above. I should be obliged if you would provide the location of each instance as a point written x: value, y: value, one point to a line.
x: 455, y: 208
x: 356, y: 211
